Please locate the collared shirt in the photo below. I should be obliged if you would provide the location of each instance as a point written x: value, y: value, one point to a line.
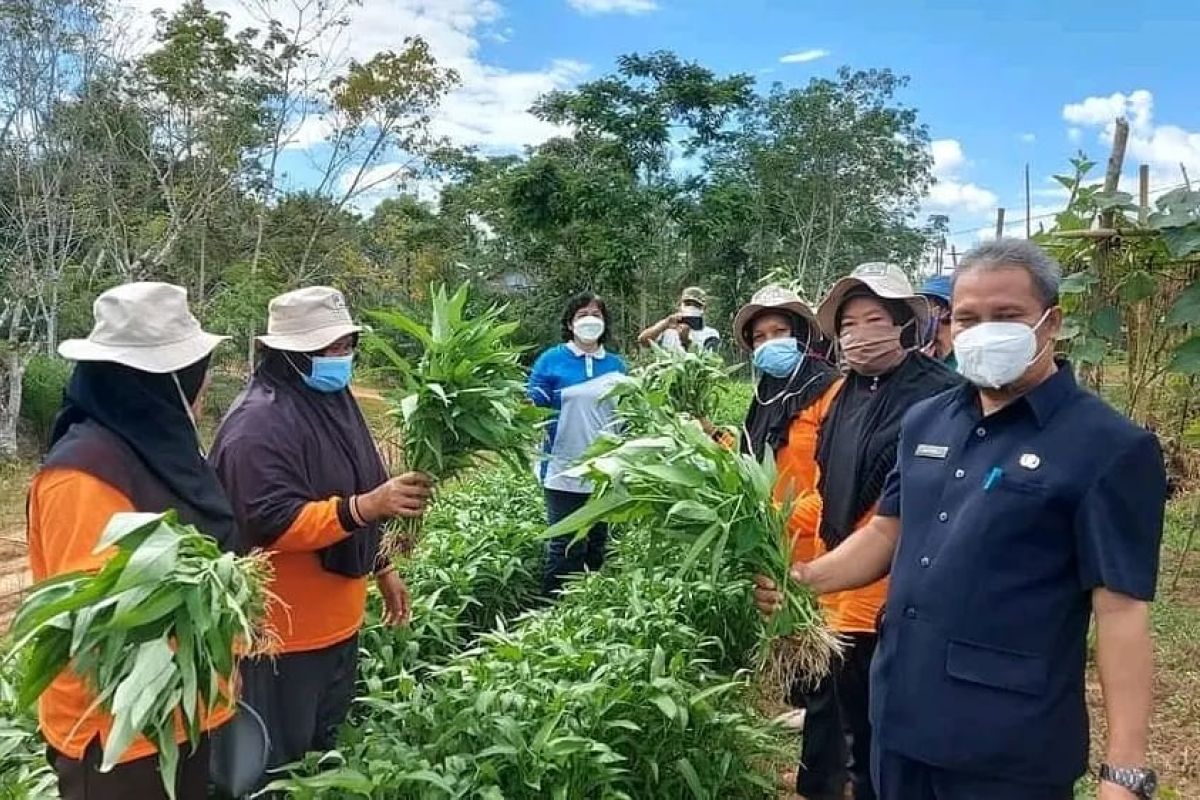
x: 707, y: 338
x: 576, y: 385
x: 1008, y: 522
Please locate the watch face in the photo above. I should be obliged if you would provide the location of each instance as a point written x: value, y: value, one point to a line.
x: 1149, y: 784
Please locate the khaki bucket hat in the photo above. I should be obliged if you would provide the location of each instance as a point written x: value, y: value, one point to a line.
x: 772, y: 298
x: 885, y: 281
x: 146, y: 326
x: 307, y: 320
x: 694, y: 294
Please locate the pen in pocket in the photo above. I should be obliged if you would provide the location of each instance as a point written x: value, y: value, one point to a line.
x: 993, y: 477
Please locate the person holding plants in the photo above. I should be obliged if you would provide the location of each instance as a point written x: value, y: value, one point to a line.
x: 574, y: 379
x: 1021, y: 507
x: 124, y: 440
x: 876, y: 319
x: 308, y: 485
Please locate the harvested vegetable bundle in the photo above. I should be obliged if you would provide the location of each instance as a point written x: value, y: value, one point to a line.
x: 153, y: 632
x: 720, y: 504
x: 688, y: 382
x: 463, y: 399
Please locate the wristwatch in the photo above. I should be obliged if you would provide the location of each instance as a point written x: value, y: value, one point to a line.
x: 1141, y: 781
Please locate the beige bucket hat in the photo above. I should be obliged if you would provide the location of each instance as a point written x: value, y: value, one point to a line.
x: 886, y: 281
x: 307, y: 320
x: 772, y: 298
x: 694, y: 294
x: 146, y: 326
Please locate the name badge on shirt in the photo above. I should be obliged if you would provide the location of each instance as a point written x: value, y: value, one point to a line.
x: 932, y: 451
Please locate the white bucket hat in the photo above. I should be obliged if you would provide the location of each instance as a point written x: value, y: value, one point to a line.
x: 886, y: 281
x: 146, y: 326
x: 772, y: 298
x: 307, y: 320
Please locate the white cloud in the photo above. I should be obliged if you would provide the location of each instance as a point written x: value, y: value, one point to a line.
x: 1163, y: 147
x: 1028, y: 138
x: 613, y: 6
x: 951, y: 193
x: 489, y: 110
x: 804, y: 56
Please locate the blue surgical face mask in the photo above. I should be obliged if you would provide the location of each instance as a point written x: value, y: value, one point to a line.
x: 778, y: 357
x: 329, y: 373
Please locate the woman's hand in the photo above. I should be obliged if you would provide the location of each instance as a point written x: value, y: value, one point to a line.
x: 767, y: 596
x: 405, y: 496
x: 396, y: 608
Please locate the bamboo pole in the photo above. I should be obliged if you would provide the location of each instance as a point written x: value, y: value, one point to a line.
x: 1143, y: 193
x: 999, y: 223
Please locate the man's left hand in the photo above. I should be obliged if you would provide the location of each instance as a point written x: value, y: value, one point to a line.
x: 396, y: 607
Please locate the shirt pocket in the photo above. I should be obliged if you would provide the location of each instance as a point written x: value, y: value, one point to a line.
x: 997, y: 668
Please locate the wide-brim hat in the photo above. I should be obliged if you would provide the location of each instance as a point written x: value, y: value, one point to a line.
x: 146, y: 326
x: 885, y: 281
x: 772, y: 298
x: 308, y: 320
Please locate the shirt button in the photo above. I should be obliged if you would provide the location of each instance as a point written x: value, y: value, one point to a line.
x: 910, y: 612
x: 981, y: 432
x: 943, y: 516
x: 960, y: 473
x: 925, y: 562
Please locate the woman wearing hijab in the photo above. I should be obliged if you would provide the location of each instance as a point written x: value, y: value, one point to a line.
x: 876, y: 320
x: 307, y: 485
x: 124, y: 441
x: 574, y: 379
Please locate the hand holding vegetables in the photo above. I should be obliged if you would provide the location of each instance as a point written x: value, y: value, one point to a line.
x: 404, y: 496
x: 155, y: 632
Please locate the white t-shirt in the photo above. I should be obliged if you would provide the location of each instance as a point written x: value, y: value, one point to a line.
x: 707, y: 338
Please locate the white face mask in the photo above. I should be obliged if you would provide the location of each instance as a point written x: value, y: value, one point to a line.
x: 588, y: 329
x: 993, y: 355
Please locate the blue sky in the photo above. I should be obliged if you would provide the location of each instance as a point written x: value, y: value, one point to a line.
x: 999, y: 85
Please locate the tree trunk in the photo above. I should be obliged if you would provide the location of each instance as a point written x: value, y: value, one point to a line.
x: 12, y: 373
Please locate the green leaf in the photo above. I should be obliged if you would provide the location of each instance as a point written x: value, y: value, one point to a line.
x: 1182, y: 242
x: 1186, y: 358
x: 595, y: 510
x: 691, y: 511
x: 1186, y: 308
x: 1106, y: 323
x: 404, y: 324
x: 1088, y: 350
x: 1078, y: 282
x: 131, y: 524
x: 1138, y: 285
x: 666, y: 705
x: 693, y: 780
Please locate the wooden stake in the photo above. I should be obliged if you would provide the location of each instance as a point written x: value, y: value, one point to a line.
x: 954, y: 255
x: 1143, y: 193
x: 1028, y: 206
x: 1116, y: 162
x: 1186, y: 180
x: 999, y: 223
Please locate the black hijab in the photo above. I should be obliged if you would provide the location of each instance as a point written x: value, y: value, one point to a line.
x: 146, y: 412
x: 777, y: 401
x: 283, y: 445
x: 856, y: 448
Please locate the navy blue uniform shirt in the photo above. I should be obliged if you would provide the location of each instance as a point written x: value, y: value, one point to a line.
x: 1008, y: 522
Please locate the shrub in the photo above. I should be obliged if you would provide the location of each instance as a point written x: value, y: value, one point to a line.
x: 42, y: 394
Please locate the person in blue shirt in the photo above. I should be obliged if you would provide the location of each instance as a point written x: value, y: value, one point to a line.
x: 574, y: 379
x: 1021, y: 508
x: 936, y: 290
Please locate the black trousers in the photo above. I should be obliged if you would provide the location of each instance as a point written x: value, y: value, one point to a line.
x: 302, y: 698
x: 564, y: 555
x: 82, y: 779
x: 836, y: 746
x: 901, y: 778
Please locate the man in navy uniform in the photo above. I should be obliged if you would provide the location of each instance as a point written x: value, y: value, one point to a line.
x: 1021, y: 506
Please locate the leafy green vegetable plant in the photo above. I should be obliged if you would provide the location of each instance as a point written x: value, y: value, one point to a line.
x: 464, y: 399
x: 154, y: 632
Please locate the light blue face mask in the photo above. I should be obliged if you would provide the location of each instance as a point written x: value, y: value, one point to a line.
x: 778, y: 357
x: 329, y: 374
